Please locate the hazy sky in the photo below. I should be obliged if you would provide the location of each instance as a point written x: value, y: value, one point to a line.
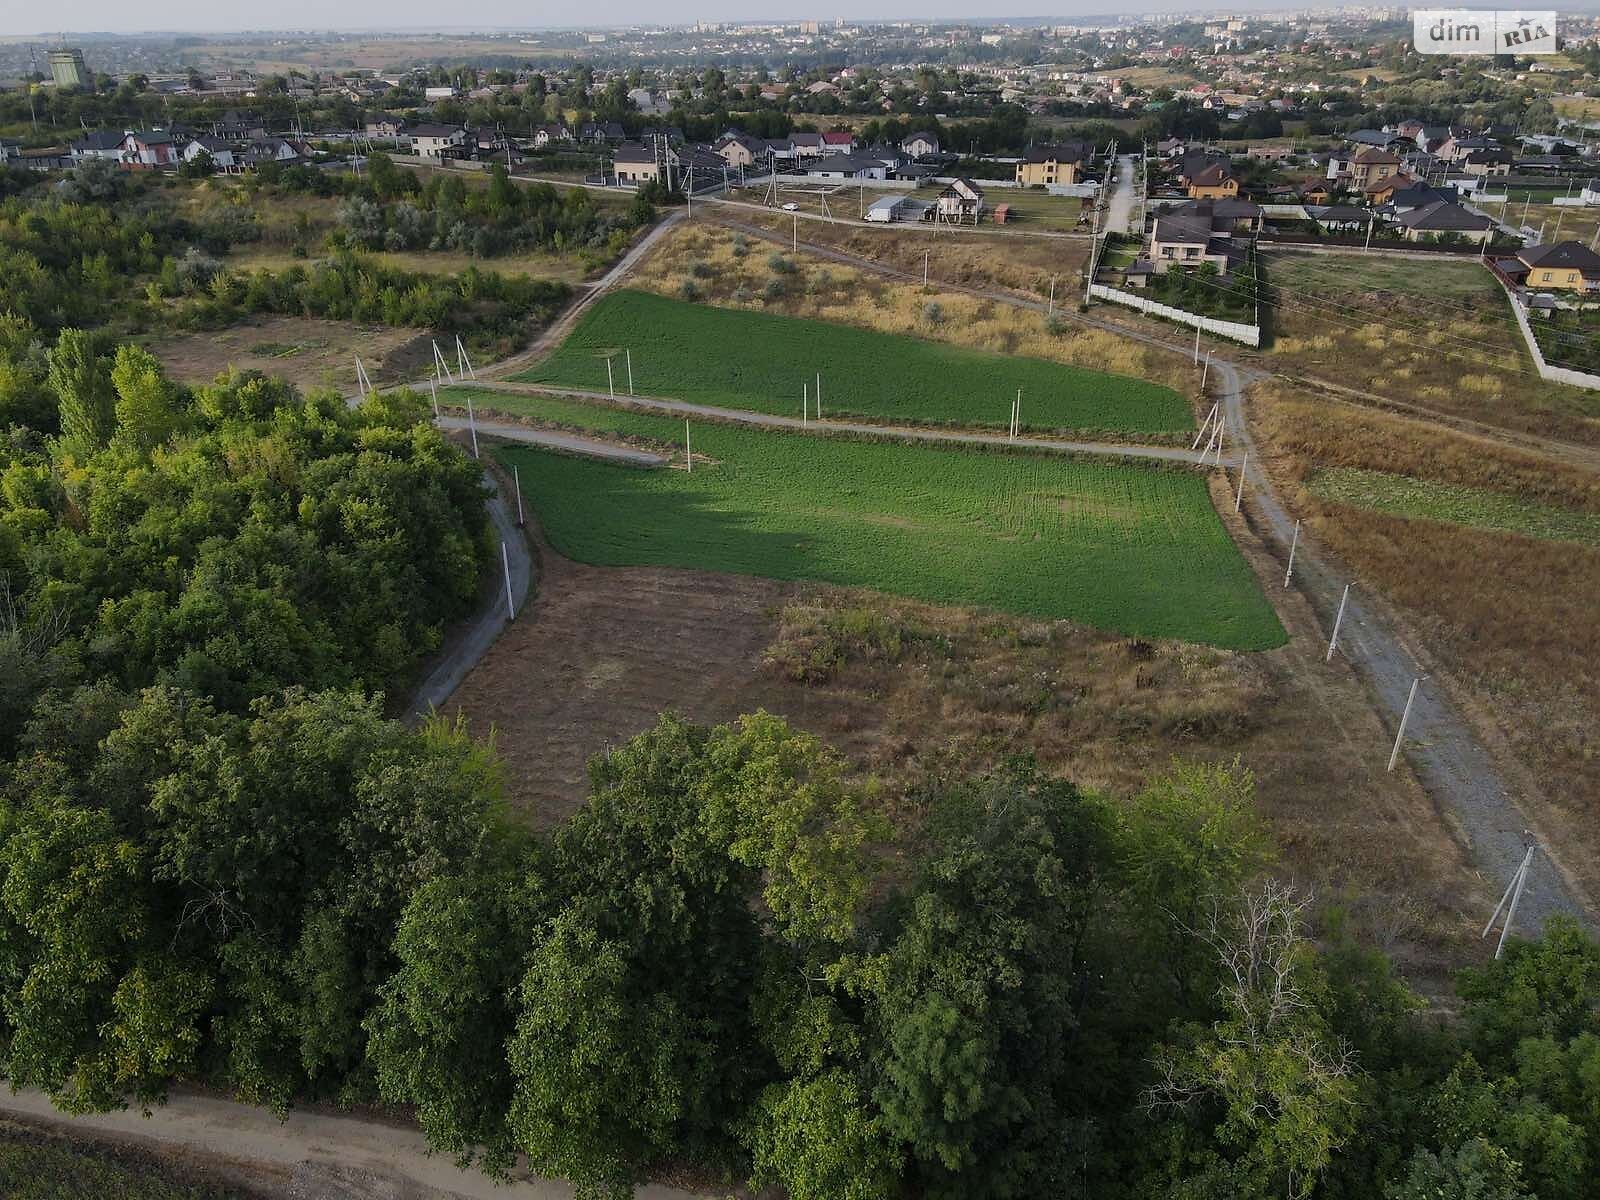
x: 202, y: 16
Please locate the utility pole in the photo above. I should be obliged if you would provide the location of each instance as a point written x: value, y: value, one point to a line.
x: 1513, y: 893
x: 629, y: 353
x: 505, y: 561
x: 924, y: 270
x: 516, y: 476
x: 1400, y: 735
x: 1337, y: 621
x: 1243, y: 466
x: 1293, y: 545
x: 688, y: 452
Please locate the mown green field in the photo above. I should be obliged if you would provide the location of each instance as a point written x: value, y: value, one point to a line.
x: 733, y: 358
x: 1479, y: 508
x: 1128, y: 548
x: 37, y: 1167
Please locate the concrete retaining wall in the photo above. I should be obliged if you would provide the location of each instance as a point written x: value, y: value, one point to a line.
x: 1234, y: 331
x: 1579, y: 379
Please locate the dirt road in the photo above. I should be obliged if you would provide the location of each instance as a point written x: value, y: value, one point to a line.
x: 1174, y: 454
x: 315, y: 1155
x: 1119, y: 206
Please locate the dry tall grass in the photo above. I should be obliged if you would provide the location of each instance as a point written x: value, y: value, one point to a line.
x: 1380, y: 329
x: 735, y: 272
x: 1512, y: 618
x: 1020, y: 264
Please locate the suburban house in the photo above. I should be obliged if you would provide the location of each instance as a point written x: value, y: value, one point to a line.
x: 1185, y: 241
x: 920, y: 145
x: 149, y: 150
x: 1412, y: 195
x: 385, y: 128
x: 1383, y: 189
x: 635, y: 164
x: 1202, y: 232
x: 1051, y: 164
x: 1457, y: 148
x: 806, y: 145
x: 848, y: 166
x: 740, y: 151
x: 1213, y: 182
x: 1271, y: 153
x: 1340, y: 218
x: 236, y: 126
x: 838, y: 143
x: 1561, y: 266
x: 963, y: 199
x: 438, y: 141
x: 221, y: 152
x: 273, y: 150
x: 546, y: 134
x: 1443, y: 218
x: 100, y: 144
x: 1487, y: 162
x: 1363, y: 167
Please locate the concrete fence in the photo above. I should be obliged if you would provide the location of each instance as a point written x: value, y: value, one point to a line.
x: 1580, y: 379
x: 1234, y: 331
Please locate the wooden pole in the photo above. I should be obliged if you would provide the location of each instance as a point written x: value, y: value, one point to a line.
x: 1513, y: 893
x: 472, y: 426
x: 819, y: 395
x: 1204, y: 426
x: 1337, y: 621
x: 1399, y: 737
x: 433, y: 386
x: 610, y: 387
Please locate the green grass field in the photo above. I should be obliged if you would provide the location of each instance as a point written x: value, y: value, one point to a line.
x: 734, y: 358
x: 1128, y: 548
x: 37, y: 1167
x: 1479, y: 508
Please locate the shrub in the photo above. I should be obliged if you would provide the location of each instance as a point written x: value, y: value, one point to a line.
x: 775, y: 290
x: 689, y: 290
x: 932, y: 313
x: 779, y: 264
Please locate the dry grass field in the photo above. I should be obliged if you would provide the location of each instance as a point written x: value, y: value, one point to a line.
x: 1510, y: 617
x: 732, y: 270
x: 308, y: 352
x: 981, y: 259
x: 1437, y: 335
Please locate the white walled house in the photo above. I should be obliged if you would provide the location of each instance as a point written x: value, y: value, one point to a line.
x: 438, y: 141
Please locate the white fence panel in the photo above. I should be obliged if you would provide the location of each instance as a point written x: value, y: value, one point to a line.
x: 1235, y: 331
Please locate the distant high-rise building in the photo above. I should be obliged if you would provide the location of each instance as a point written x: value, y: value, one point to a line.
x: 67, y: 69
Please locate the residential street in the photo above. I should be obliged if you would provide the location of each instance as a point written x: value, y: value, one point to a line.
x: 1121, y: 202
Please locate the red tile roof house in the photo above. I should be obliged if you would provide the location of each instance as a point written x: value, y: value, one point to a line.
x: 145, y: 150
x: 838, y: 143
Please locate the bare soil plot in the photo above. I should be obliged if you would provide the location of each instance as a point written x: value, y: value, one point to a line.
x: 310, y: 353
x: 912, y: 692
x: 1030, y: 209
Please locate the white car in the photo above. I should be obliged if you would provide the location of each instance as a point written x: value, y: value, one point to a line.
x: 791, y: 207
